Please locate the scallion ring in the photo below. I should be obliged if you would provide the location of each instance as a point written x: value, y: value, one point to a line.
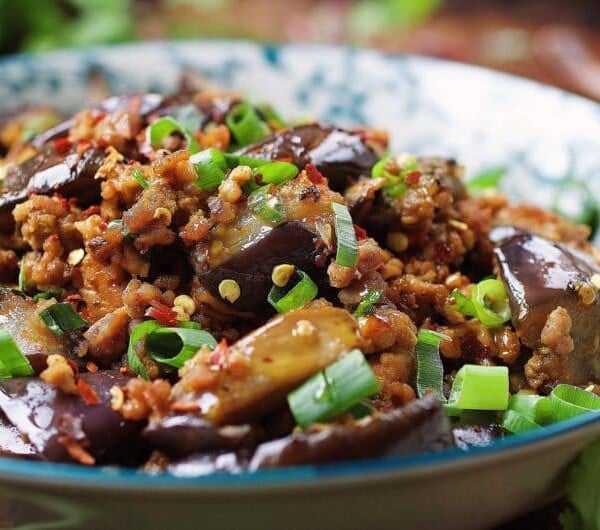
x: 61, y: 318
x: 367, y: 303
x: 430, y: 371
x: 347, y: 245
x: 478, y: 387
x: 140, y: 332
x: 245, y: 125
x: 569, y: 401
x: 159, y: 129
x: 174, y: 346
x: 12, y: 362
x: 211, y: 168
x: 300, y: 294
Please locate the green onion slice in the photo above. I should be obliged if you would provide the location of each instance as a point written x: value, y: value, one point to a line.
x: 488, y: 302
x: 141, y: 331
x: 243, y: 160
x: 159, y: 129
x: 569, y: 401
x: 300, y: 294
x: 174, y: 346
x: 22, y: 281
x: 62, y: 318
x: 275, y: 173
x: 46, y: 295
x: 488, y: 179
x: 480, y: 388
x: 245, y: 125
x: 517, y: 423
x: 537, y: 408
x: 266, y: 206
x: 137, y: 175
x: 367, y: 303
x: 347, y: 246
x: 334, y: 390
x: 271, y: 115
x: 430, y: 371
x: 12, y: 362
x: 211, y: 168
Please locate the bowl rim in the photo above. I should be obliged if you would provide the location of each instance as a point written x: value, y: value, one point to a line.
x: 387, y: 468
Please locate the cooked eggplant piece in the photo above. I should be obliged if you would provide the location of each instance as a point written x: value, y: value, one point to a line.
x: 271, y: 361
x: 251, y: 267
x: 342, y: 156
x: 188, y: 434
x: 49, y: 172
x: 540, y: 276
x: 19, y: 317
x: 13, y: 444
x: 46, y: 416
x: 422, y: 425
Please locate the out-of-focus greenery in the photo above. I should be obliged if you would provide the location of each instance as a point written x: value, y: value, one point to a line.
x: 34, y: 25
x: 43, y: 24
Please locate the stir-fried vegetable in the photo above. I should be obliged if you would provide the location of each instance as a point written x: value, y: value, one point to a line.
x: 300, y: 294
x: 245, y: 124
x: 12, y: 362
x: 488, y: 303
x: 166, y: 126
x: 62, y: 318
x: 430, y: 371
x: 174, y: 346
x: 347, y: 246
x: 211, y: 168
x: 480, y: 388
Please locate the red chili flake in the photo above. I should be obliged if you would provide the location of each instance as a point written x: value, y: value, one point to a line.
x: 85, y: 313
x: 164, y: 314
x: 185, y: 406
x: 87, y: 393
x: 218, y: 357
x: 360, y: 232
x: 98, y: 117
x: 62, y: 145
x: 73, y: 365
x: 92, y: 210
x: 73, y: 202
x: 52, y: 238
x: 314, y: 175
x: 413, y: 177
x: 83, y: 146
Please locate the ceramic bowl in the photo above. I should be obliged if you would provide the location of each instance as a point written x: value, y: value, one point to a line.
x: 547, y: 140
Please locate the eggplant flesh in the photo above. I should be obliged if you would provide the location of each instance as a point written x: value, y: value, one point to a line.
x: 541, y: 275
x: 422, y: 425
x: 252, y: 266
x: 43, y: 414
x: 341, y: 156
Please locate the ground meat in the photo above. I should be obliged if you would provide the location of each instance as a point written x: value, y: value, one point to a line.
x: 102, y: 287
x: 417, y: 298
x: 394, y: 372
x: 41, y: 217
x: 108, y: 336
x: 555, y: 333
x: 138, y: 296
x: 60, y: 374
x: 387, y: 329
x: 145, y: 399
x: 48, y: 271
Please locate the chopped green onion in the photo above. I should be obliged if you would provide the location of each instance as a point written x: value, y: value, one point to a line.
x: 275, y: 173
x: 569, y: 401
x: 488, y: 303
x: 480, y: 388
x: 137, y: 175
x: 517, y: 423
x: 488, y: 179
x: 245, y: 125
x: 12, y: 362
x: 243, y: 160
x: 62, y: 318
x: 452, y: 410
x: 395, y: 184
x: 174, y: 346
x: 271, y: 115
x: 22, y: 281
x: 367, y: 303
x: 300, y: 294
x: 377, y: 171
x: 536, y: 408
x: 347, y: 246
x: 46, y: 295
x: 361, y: 410
x: 211, y: 168
x: 268, y: 207
x: 430, y: 371
x: 334, y: 390
x: 141, y: 331
x: 491, y: 302
x: 189, y: 324
x: 159, y: 129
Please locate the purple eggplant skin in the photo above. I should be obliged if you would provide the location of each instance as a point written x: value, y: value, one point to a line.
x: 43, y: 413
x: 48, y: 172
x: 541, y: 275
x: 420, y: 426
x: 341, y: 156
x: 143, y: 104
x: 251, y: 268
x: 184, y: 435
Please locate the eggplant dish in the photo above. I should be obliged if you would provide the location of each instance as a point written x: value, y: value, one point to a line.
x: 191, y: 284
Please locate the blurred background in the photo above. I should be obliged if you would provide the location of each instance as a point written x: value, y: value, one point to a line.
x: 554, y: 41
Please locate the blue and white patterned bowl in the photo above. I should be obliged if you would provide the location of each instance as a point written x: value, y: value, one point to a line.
x: 549, y: 141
